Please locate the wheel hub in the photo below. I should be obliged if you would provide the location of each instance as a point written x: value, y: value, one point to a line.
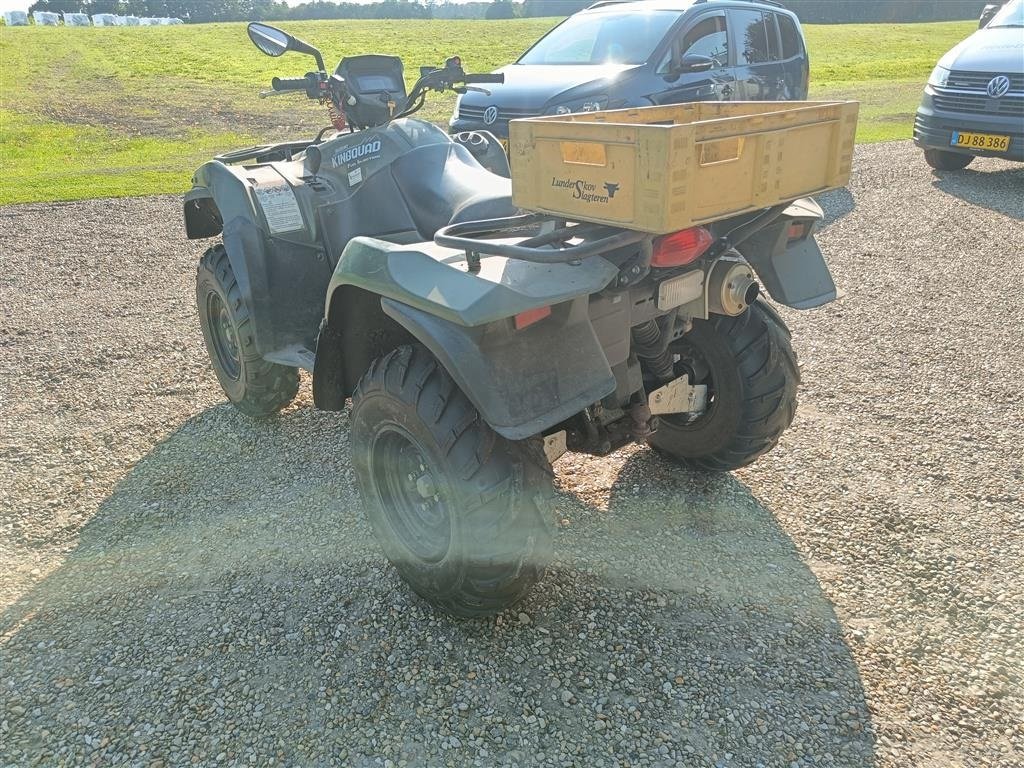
x: 425, y: 486
x: 415, y: 506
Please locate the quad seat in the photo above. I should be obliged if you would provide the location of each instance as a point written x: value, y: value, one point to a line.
x: 443, y: 184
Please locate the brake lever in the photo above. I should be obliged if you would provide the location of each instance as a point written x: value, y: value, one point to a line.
x: 475, y: 89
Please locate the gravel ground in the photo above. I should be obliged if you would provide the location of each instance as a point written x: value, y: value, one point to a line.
x: 183, y: 586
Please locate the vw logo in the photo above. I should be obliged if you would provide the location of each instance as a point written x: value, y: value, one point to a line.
x: 998, y: 86
x: 491, y: 113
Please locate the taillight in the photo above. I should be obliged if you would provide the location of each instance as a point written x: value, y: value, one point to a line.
x: 531, y: 316
x: 798, y: 230
x: 681, y: 248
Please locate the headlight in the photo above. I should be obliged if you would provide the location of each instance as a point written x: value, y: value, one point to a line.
x: 593, y: 104
x: 939, y: 77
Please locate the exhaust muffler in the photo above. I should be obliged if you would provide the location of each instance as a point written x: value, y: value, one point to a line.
x: 731, y: 287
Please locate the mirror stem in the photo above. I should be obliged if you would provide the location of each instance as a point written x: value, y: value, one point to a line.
x: 301, y: 46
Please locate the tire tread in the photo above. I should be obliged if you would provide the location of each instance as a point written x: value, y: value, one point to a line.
x: 267, y: 387
x: 504, y: 488
x: 760, y: 344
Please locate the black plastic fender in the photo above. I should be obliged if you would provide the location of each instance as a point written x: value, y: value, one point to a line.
x: 281, y: 279
x: 217, y: 196
x: 521, y: 381
x: 794, y: 273
x: 202, y: 217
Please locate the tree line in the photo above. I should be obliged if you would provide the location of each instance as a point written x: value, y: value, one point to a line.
x: 198, y: 11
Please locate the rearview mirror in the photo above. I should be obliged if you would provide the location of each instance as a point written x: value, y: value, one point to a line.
x: 694, y: 62
x: 270, y: 40
x: 274, y: 42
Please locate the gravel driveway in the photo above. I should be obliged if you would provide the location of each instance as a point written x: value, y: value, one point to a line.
x: 183, y: 586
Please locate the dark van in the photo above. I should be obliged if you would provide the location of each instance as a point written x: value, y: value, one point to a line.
x: 616, y: 55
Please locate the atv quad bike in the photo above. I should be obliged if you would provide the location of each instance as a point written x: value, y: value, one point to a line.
x: 478, y: 342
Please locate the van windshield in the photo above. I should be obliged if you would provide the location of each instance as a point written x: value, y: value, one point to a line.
x: 1012, y: 15
x: 603, y: 38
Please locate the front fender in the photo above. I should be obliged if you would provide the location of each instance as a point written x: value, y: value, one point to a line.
x: 217, y: 196
x: 521, y: 381
x: 202, y: 217
x: 281, y: 279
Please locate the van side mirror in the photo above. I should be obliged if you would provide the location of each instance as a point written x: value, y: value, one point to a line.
x: 694, y: 62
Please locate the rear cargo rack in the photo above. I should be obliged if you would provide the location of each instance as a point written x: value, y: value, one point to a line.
x: 551, y: 242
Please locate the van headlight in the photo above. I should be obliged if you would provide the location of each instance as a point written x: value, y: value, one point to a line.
x: 593, y: 104
x: 939, y: 77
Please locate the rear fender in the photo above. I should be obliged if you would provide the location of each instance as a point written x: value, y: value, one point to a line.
x: 794, y: 273
x: 521, y: 381
x: 435, y: 280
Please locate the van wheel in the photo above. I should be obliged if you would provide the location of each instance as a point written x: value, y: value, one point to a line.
x: 257, y: 388
x: 463, y: 514
x: 947, y: 161
x: 751, y: 372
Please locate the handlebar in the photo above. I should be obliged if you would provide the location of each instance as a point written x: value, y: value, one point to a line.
x: 289, y: 83
x: 450, y: 77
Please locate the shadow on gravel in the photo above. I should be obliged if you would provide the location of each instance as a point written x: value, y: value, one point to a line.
x: 1001, y: 191
x: 227, y: 605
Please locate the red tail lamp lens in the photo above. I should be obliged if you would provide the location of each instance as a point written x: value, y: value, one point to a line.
x: 531, y: 316
x: 797, y: 230
x: 681, y: 248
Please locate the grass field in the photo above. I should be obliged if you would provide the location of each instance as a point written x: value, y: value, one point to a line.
x: 95, y: 112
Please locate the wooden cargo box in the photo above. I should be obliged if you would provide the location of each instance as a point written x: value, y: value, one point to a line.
x: 662, y: 169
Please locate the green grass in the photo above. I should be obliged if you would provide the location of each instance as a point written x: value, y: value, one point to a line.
x: 884, y: 66
x: 123, y: 111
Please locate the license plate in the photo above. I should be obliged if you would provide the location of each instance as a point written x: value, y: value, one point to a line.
x: 987, y: 141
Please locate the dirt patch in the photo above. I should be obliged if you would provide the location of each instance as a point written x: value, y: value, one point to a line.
x: 177, y: 115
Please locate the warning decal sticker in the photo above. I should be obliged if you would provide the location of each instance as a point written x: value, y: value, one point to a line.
x: 280, y: 207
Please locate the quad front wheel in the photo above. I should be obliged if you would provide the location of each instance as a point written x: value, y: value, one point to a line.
x: 256, y: 387
x: 750, y: 369
x: 461, y: 512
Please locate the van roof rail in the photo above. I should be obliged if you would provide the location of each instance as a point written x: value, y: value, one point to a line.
x: 603, y: 3
x: 762, y: 2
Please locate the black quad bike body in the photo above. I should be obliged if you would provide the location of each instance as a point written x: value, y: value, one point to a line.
x: 478, y: 342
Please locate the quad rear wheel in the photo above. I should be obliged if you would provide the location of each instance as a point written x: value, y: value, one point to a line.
x: 256, y: 387
x: 751, y: 372
x: 461, y: 512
